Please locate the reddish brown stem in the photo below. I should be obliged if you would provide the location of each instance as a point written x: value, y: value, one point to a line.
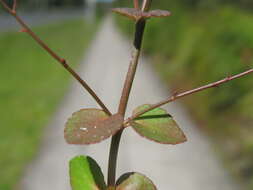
x: 140, y: 26
x: 146, y: 4
x: 189, y: 92
x: 6, y: 7
x: 14, y: 7
x: 136, y: 4
x: 139, y: 31
x: 62, y: 61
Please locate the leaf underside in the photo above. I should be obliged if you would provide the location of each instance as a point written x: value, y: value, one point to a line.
x: 158, y: 125
x: 134, y: 181
x: 85, y: 174
x: 89, y: 126
x: 137, y: 14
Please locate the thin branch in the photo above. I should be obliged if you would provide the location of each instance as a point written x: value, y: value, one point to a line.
x: 186, y: 93
x: 62, y: 61
x: 5, y: 6
x: 146, y: 4
x: 136, y: 4
x: 14, y: 7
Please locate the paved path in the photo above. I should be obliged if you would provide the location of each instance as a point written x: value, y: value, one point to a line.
x: 190, y: 166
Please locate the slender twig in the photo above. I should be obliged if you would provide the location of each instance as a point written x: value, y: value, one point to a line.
x: 189, y: 92
x: 139, y: 31
x: 146, y: 4
x: 136, y: 4
x: 14, y: 7
x: 62, y: 61
x: 6, y: 7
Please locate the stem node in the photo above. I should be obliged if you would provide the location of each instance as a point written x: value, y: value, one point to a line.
x: 139, y: 31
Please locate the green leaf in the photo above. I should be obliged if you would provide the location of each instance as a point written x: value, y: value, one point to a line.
x: 134, y: 181
x: 158, y: 125
x: 85, y: 174
x: 89, y: 126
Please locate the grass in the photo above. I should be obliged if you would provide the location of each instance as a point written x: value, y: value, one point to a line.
x: 31, y: 86
x: 194, y: 47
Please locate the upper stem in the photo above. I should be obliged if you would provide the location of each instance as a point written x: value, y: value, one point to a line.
x: 136, y: 4
x: 146, y: 4
x: 140, y: 26
x: 139, y: 31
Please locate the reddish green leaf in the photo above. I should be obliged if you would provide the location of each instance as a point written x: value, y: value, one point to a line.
x: 137, y: 14
x: 89, y: 126
x: 131, y: 13
x: 85, y: 174
x: 134, y: 181
x: 158, y: 125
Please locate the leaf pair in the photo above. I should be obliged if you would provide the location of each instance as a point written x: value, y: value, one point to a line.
x: 85, y: 174
x: 89, y: 126
x: 137, y: 14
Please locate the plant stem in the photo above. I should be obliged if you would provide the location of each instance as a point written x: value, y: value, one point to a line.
x: 113, y: 155
x: 14, y: 7
x: 146, y: 4
x: 140, y: 26
x: 139, y: 31
x: 189, y: 92
x: 136, y: 4
x: 62, y: 61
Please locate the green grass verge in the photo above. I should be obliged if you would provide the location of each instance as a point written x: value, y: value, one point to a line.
x: 194, y: 47
x: 31, y: 86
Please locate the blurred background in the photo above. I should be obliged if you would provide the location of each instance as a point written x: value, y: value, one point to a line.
x: 203, y: 41
x: 27, y: 74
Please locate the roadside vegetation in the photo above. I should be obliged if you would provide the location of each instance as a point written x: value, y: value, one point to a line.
x: 201, y: 43
x: 32, y: 85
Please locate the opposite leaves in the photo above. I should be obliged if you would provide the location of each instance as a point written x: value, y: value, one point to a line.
x: 89, y: 126
x: 157, y: 125
x: 85, y: 174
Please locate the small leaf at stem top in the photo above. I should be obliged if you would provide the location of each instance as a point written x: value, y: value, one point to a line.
x: 134, y: 181
x: 157, y: 125
x: 137, y: 14
x: 85, y: 174
x: 89, y: 126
